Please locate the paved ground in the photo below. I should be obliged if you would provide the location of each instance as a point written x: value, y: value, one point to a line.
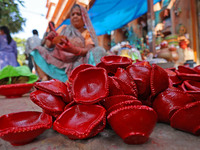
x: 163, y: 137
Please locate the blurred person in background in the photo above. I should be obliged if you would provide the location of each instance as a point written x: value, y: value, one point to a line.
x: 31, y: 43
x: 8, y: 49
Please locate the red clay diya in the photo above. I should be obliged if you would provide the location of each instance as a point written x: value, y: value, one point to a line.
x: 123, y: 104
x: 72, y: 103
x: 187, y: 118
x: 76, y: 70
x: 141, y: 76
x: 90, y: 86
x: 22, y: 127
x: 133, y: 124
x: 173, y: 78
x: 55, y: 87
x: 185, y: 69
x: 114, y: 87
x: 191, y: 90
x: 81, y: 121
x: 186, y: 76
x: 197, y: 69
x: 113, y: 62
x: 124, y: 76
x: 126, y: 88
x: 172, y: 69
x: 102, y: 65
x: 113, y: 100
x: 158, y: 86
x: 52, y: 105
x: 186, y: 73
x: 192, y: 85
x: 168, y: 102
x: 15, y: 90
x: 142, y: 63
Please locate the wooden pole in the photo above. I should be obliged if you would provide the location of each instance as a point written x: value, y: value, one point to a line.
x: 194, y: 28
x: 151, y: 26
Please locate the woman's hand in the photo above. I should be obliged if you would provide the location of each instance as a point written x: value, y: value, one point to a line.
x: 65, y: 45
x: 49, y: 44
x: 51, y: 35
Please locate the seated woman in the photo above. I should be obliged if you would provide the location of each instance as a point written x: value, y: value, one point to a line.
x: 78, y: 45
x: 8, y: 49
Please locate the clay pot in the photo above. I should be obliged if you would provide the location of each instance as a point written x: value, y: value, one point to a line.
x: 113, y: 100
x: 188, y: 76
x: 55, y: 87
x: 188, y: 70
x: 126, y: 88
x: 102, y: 65
x: 123, y: 104
x: 197, y: 69
x: 72, y: 103
x: 191, y: 90
x: 76, y: 70
x: 158, y: 86
x: 173, y: 78
x: 192, y: 85
x: 187, y: 118
x: 168, y: 102
x: 141, y: 76
x: 142, y: 64
x: 15, y: 90
x: 165, y: 53
x: 22, y: 127
x: 183, y: 44
x: 124, y: 76
x: 164, y: 44
x: 90, y: 86
x: 113, y: 62
x: 114, y: 87
x: 133, y: 124
x: 52, y: 105
x: 81, y: 121
x: 175, y: 56
x: 187, y: 73
x: 172, y: 48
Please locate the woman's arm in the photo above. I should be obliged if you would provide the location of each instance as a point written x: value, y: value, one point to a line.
x: 67, y: 46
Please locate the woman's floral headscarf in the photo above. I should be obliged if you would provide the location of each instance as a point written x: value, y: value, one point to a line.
x: 88, y: 24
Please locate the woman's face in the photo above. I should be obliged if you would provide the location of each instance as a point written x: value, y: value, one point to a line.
x: 76, y: 18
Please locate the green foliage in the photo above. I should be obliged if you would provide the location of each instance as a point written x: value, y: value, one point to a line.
x: 21, y: 49
x: 10, y: 15
x: 20, y: 43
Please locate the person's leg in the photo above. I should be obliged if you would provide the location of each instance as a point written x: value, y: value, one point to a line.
x: 50, y: 70
x: 42, y: 75
x: 30, y: 63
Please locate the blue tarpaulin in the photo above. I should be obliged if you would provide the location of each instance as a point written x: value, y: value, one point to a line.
x: 108, y: 15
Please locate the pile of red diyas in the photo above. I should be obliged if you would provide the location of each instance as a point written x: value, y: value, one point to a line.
x: 131, y: 98
x: 179, y: 105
